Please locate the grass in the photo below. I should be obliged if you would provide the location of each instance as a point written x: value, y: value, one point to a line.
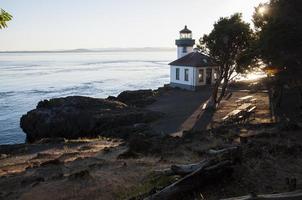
x: 152, y: 182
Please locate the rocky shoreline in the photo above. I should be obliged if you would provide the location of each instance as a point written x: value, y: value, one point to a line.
x: 85, y: 117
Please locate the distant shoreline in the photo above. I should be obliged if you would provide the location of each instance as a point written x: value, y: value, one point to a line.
x: 145, y: 49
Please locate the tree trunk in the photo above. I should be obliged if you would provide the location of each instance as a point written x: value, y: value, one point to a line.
x: 279, y: 98
x: 213, y: 101
x: 223, y: 89
x: 300, y: 92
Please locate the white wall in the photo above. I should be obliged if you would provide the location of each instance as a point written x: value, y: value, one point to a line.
x: 180, y: 51
x: 193, y: 75
x: 181, y: 80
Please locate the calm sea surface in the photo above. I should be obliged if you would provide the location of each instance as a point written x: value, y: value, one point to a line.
x: 27, y: 78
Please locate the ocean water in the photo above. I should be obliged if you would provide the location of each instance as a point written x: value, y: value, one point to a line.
x: 27, y: 78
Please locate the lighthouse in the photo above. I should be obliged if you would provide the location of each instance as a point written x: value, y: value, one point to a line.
x: 192, y: 70
x: 185, y: 42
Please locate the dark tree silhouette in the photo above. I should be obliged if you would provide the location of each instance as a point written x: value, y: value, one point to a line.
x: 229, y: 43
x: 279, y: 34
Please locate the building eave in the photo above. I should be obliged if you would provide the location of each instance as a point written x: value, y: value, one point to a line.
x: 194, y: 59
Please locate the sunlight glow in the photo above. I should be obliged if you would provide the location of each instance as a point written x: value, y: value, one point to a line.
x: 262, y: 10
x: 253, y: 76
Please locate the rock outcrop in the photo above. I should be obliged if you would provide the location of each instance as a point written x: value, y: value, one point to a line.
x: 137, y: 98
x: 77, y: 116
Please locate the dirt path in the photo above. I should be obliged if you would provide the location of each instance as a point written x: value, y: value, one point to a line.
x: 181, y: 108
x: 184, y: 109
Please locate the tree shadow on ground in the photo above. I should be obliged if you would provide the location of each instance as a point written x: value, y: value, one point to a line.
x: 204, y: 120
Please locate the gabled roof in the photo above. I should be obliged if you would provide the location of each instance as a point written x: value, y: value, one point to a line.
x: 194, y: 59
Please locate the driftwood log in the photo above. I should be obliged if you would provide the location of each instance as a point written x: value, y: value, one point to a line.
x: 232, y: 154
x: 198, y: 174
x: 296, y: 195
x: 187, y: 169
x: 200, y: 177
x: 182, y: 170
x: 229, y: 150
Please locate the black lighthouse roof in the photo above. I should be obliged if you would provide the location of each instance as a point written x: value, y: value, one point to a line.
x: 185, y: 30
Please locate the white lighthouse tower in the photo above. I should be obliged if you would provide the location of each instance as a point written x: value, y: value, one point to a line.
x: 185, y: 42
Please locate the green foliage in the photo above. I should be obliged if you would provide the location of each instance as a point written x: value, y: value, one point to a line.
x: 230, y: 44
x: 279, y: 33
x: 4, y: 18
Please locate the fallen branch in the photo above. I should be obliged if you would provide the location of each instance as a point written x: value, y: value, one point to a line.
x: 221, y: 151
x: 231, y: 153
x: 202, y: 176
x: 182, y: 169
x: 187, y: 169
x: 296, y: 195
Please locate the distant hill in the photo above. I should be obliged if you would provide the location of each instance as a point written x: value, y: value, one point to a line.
x: 146, y: 49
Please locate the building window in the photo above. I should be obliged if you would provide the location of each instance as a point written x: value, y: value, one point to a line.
x: 201, y: 76
x: 177, y: 74
x: 186, y: 74
x: 184, y: 50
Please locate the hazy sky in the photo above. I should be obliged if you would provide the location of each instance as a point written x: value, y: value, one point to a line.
x: 71, y: 24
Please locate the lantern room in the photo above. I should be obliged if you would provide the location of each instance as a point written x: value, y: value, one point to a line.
x: 185, y: 33
x: 185, y: 42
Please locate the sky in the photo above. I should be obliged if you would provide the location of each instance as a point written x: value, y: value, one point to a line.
x: 73, y: 24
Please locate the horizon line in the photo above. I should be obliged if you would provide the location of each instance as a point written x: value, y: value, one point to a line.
x: 85, y: 50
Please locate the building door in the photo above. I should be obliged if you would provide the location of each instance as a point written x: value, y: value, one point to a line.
x: 209, y: 76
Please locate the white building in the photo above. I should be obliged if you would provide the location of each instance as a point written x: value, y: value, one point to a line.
x: 192, y: 69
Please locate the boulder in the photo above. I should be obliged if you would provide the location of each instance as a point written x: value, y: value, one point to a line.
x: 76, y: 116
x: 138, y: 98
